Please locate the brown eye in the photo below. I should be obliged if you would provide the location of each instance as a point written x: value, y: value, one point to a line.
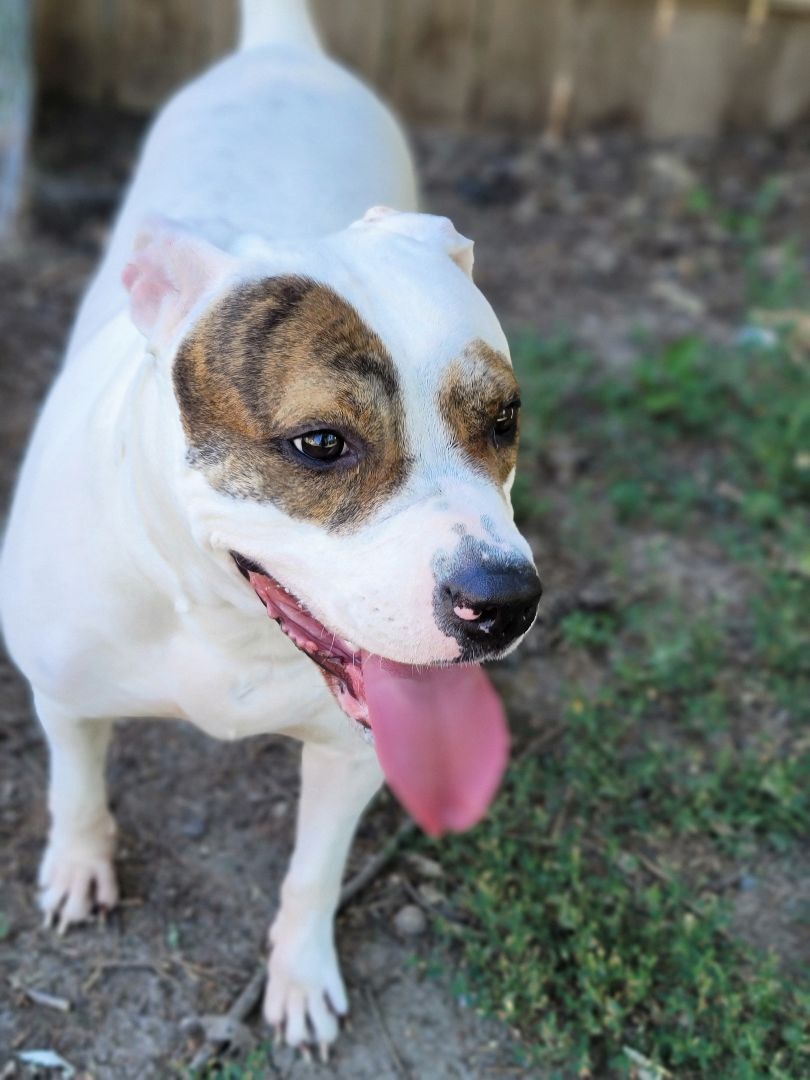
x: 320, y: 445
x: 505, y: 424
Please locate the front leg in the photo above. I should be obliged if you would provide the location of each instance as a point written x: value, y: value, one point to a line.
x: 304, y: 981
x: 76, y: 874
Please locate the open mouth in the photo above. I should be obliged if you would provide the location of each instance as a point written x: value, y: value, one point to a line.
x: 341, y: 664
x: 439, y: 731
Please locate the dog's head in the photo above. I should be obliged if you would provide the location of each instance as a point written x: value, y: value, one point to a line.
x: 351, y: 419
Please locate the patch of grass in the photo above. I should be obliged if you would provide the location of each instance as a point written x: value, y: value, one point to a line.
x: 581, y: 950
x: 257, y: 1065
x: 589, y: 629
x: 575, y: 928
x: 578, y: 913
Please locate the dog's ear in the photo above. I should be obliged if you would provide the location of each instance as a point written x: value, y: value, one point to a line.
x: 171, y: 270
x: 438, y: 232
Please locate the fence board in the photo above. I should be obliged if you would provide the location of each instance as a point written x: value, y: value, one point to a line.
x: 74, y: 52
x: 521, y: 42
x: 694, y: 73
x: 461, y: 62
x: 355, y: 30
x: 612, y: 47
x: 433, y: 56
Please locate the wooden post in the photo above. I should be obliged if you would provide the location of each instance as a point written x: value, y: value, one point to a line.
x: 15, y: 110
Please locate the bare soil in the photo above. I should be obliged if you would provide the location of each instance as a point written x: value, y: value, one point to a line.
x: 576, y: 237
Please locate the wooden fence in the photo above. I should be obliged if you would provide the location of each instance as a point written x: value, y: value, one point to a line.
x: 666, y: 66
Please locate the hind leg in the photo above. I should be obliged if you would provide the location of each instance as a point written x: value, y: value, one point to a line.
x: 76, y: 875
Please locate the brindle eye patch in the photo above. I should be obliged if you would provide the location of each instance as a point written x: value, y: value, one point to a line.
x: 480, y: 403
x: 275, y: 384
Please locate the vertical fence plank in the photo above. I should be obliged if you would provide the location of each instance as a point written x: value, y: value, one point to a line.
x: 693, y: 72
x: 354, y: 32
x: 788, y: 95
x: 521, y: 47
x: 433, y: 59
x: 73, y: 47
x: 612, y: 45
x: 15, y: 111
x: 223, y: 26
x: 158, y: 44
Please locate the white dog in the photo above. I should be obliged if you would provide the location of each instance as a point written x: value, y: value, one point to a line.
x: 266, y: 397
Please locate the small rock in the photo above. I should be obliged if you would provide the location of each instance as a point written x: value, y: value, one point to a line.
x: 633, y: 208
x: 427, y: 867
x: 757, y: 337
x: 410, y: 920
x: 526, y: 209
x: 194, y: 827
x: 431, y: 895
x: 589, y: 146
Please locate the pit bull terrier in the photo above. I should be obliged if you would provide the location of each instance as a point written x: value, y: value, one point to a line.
x: 275, y: 401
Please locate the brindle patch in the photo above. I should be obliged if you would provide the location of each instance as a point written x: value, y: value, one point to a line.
x: 278, y: 358
x: 473, y: 391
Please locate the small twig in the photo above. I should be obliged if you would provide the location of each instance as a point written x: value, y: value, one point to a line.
x: 112, y: 965
x: 648, y: 1066
x: 375, y: 864
x: 559, y: 818
x: 249, y: 997
x: 542, y: 741
x: 50, y: 1001
x: 399, y: 1066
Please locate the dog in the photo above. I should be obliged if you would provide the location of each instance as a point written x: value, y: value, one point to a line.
x: 283, y: 398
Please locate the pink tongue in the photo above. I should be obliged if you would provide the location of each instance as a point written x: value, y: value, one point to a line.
x: 441, y: 738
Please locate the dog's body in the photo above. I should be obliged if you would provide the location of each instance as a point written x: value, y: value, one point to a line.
x: 156, y: 464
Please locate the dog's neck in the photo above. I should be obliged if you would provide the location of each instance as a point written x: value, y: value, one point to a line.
x: 149, y: 459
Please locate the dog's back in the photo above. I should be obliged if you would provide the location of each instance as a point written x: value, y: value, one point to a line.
x: 281, y: 139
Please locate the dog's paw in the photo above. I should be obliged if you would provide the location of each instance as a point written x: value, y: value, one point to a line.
x: 305, y: 992
x: 75, y: 881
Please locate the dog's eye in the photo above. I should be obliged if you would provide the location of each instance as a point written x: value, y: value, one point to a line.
x: 505, y: 424
x: 320, y: 445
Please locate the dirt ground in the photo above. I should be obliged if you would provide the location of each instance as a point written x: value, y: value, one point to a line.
x: 588, y: 237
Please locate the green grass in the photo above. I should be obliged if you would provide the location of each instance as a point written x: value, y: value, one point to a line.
x: 577, y: 913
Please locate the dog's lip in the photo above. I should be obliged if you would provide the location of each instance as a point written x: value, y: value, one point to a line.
x: 340, y: 664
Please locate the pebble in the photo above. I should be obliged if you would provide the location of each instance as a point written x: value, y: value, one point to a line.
x: 194, y: 827
x: 410, y: 920
x: 427, y: 867
x: 757, y: 337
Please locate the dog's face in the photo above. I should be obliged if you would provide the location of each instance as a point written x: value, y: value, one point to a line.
x: 351, y: 419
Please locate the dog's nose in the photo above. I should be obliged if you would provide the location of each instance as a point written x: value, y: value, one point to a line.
x: 492, y: 605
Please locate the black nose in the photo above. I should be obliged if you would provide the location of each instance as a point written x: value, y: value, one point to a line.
x: 488, y: 606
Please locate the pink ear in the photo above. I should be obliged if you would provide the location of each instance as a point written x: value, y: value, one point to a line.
x: 170, y: 272
x: 440, y: 232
